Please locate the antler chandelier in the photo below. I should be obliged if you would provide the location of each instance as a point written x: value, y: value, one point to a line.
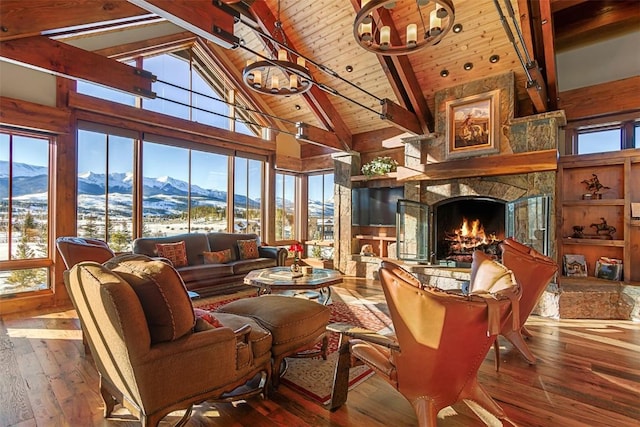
x: 375, y: 35
x: 281, y: 75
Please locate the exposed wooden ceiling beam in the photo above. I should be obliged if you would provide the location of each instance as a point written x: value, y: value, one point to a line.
x: 316, y: 98
x: 317, y: 136
x: 200, y: 17
x: 550, y: 94
x: 400, y: 74
x: 44, y: 54
x: 398, y: 116
x: 20, y: 18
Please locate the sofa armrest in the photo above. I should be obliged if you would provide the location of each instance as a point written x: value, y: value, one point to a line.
x: 279, y: 254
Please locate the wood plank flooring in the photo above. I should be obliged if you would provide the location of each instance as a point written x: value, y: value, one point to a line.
x: 588, y: 374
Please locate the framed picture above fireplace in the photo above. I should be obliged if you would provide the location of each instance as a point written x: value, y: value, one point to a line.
x: 472, y: 125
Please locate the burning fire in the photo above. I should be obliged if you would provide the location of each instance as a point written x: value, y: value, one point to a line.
x: 470, y: 235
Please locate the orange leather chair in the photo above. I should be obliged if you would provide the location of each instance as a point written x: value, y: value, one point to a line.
x: 77, y: 249
x: 440, y: 341
x: 533, y: 272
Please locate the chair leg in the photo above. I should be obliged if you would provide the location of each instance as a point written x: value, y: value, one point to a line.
x: 341, y: 376
x: 525, y: 332
x: 518, y: 342
x: 476, y: 397
x: 426, y: 412
x: 496, y: 350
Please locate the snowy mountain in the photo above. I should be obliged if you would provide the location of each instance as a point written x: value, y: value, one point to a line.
x: 162, y: 196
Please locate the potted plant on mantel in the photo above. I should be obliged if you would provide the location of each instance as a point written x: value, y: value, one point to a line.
x: 379, y: 166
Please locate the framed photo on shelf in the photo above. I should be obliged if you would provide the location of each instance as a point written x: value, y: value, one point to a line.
x: 574, y: 265
x: 609, y: 268
x: 472, y: 125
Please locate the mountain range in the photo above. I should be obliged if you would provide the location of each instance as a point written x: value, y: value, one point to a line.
x: 162, y: 196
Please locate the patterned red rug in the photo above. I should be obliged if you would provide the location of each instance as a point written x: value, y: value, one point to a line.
x: 313, y: 377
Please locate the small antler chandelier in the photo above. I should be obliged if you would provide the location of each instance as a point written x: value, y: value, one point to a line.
x: 376, y: 36
x: 280, y: 76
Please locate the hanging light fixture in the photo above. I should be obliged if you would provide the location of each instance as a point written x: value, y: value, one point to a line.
x: 432, y: 20
x: 265, y: 75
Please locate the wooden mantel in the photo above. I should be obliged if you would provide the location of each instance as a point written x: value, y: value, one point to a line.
x: 506, y: 164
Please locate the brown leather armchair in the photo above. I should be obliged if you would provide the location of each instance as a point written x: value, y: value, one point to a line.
x: 533, y: 272
x: 440, y: 341
x: 76, y: 249
x: 142, y: 334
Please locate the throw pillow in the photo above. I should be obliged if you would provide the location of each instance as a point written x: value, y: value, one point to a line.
x: 162, y: 294
x: 205, y: 320
x: 248, y: 249
x: 217, y: 257
x: 174, y: 252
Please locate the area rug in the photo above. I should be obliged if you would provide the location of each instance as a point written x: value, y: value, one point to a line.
x: 313, y: 377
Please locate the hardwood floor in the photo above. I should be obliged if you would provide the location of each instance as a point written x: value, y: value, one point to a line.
x: 588, y: 374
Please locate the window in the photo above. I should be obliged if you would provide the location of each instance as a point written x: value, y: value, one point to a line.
x: 285, y: 207
x: 24, y: 212
x: 247, y: 196
x: 599, y: 141
x: 610, y: 137
x: 320, y: 216
x: 105, y: 188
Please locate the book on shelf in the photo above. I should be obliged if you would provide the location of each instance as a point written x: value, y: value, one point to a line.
x: 608, y: 268
x: 574, y: 265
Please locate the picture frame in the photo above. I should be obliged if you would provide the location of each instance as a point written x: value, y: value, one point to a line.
x: 574, y: 265
x: 472, y: 125
x: 609, y: 268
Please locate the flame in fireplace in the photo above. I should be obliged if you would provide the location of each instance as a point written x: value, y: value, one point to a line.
x: 470, y: 235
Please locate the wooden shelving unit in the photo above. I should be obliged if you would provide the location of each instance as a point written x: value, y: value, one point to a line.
x: 620, y: 171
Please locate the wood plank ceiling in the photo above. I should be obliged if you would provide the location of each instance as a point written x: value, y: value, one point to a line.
x: 323, y: 30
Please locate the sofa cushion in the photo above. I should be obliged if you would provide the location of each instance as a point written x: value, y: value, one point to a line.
x: 248, y: 249
x: 204, y: 272
x: 247, y: 265
x: 161, y: 292
x: 174, y: 252
x: 217, y: 257
x: 219, y: 241
x: 196, y: 244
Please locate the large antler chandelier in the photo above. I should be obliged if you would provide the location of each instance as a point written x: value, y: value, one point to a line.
x: 281, y: 75
x: 375, y: 32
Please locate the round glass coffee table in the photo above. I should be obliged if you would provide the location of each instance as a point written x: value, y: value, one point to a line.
x: 316, y: 285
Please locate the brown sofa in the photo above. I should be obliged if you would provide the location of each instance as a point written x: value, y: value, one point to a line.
x: 209, y: 279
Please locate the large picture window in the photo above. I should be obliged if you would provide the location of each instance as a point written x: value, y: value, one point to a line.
x: 247, y: 196
x: 320, y: 222
x: 106, y: 188
x: 24, y: 212
x: 285, y: 207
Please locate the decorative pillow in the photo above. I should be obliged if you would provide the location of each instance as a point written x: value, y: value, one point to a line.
x: 489, y: 276
x: 162, y: 294
x: 174, y: 252
x: 205, y: 320
x: 218, y: 257
x: 248, y: 249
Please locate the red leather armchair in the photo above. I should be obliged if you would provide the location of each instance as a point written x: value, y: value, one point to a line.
x: 533, y: 272
x: 441, y: 340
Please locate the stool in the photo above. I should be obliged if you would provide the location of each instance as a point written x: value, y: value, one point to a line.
x: 295, y: 324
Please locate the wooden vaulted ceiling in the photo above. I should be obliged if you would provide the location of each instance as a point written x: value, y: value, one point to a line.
x: 323, y: 30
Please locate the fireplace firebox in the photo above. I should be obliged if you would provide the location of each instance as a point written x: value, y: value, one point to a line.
x: 463, y: 225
